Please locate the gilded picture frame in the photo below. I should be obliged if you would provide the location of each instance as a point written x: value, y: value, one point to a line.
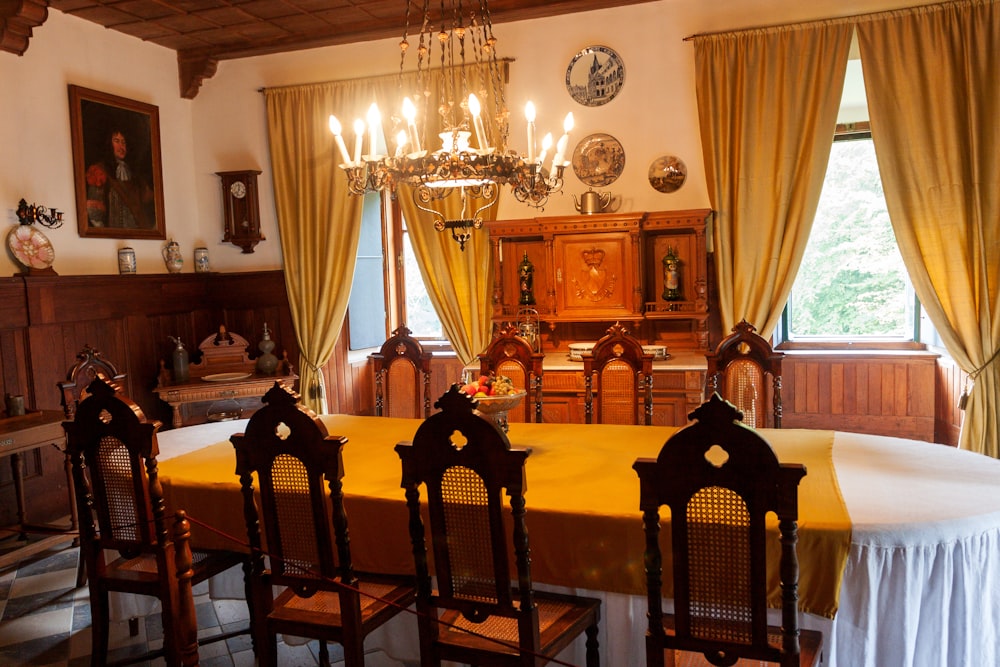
x: 117, y: 169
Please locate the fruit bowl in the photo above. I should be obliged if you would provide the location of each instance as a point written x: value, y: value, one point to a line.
x: 493, y: 404
x: 496, y: 407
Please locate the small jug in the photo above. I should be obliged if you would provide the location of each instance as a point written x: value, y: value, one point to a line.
x: 172, y: 257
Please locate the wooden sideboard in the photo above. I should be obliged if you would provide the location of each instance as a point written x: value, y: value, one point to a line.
x: 606, y: 268
x: 192, y: 402
x: 226, y: 384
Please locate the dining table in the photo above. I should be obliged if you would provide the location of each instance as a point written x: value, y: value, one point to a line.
x: 899, y: 540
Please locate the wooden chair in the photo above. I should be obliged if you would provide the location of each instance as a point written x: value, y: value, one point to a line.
x: 477, y: 616
x: 737, y: 371
x: 719, y: 479
x: 510, y: 354
x: 89, y: 366
x: 623, y: 374
x: 402, y: 377
x: 293, y: 457
x: 120, y: 506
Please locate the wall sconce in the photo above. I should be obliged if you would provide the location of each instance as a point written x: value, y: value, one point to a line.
x: 28, y: 214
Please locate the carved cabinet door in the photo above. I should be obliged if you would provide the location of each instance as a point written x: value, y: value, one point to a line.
x: 595, y: 275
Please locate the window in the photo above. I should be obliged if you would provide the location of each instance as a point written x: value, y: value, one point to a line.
x: 385, y: 294
x: 366, y: 310
x: 852, y: 283
x: 418, y: 312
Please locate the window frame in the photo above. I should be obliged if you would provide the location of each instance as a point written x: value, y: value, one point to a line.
x: 394, y: 278
x: 850, y: 132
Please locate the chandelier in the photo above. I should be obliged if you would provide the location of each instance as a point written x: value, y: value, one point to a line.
x: 476, y: 171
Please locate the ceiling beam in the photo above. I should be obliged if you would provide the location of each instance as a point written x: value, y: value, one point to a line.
x: 17, y: 19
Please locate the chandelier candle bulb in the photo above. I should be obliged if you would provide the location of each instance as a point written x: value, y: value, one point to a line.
x: 374, y: 121
x: 546, y: 145
x: 402, y: 139
x: 558, y: 160
x: 359, y: 133
x: 563, y: 141
x: 529, y: 114
x: 410, y: 114
x: 477, y: 121
x: 336, y: 129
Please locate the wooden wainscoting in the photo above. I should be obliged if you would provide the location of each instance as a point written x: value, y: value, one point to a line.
x: 950, y: 381
x: 46, y: 320
x: 879, y: 392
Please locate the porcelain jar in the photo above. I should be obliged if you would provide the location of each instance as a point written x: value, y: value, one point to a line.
x: 172, y: 257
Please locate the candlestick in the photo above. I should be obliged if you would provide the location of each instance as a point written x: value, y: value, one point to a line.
x: 336, y: 129
x: 374, y: 122
x: 359, y: 133
x: 529, y: 113
x: 560, y: 151
x: 477, y: 122
x: 563, y: 141
x: 546, y: 145
x: 410, y: 114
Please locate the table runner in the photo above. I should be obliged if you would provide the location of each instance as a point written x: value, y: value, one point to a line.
x: 583, y: 519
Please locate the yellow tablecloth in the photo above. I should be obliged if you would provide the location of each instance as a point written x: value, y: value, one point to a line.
x: 584, y: 524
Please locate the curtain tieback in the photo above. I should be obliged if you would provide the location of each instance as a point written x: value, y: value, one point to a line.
x: 315, y: 386
x: 970, y: 380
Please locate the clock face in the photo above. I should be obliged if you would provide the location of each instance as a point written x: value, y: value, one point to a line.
x: 238, y: 189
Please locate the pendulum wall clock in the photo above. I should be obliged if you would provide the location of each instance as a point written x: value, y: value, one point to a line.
x: 241, y: 208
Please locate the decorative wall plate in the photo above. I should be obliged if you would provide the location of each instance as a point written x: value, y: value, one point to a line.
x: 667, y: 173
x: 30, y: 247
x: 598, y: 160
x: 595, y: 75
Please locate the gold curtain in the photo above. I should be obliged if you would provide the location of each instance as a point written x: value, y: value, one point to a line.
x: 932, y: 75
x: 319, y: 222
x: 767, y: 103
x: 458, y: 282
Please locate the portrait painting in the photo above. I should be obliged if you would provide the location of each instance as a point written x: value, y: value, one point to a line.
x: 116, y: 166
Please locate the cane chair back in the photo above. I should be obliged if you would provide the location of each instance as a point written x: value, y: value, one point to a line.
x: 620, y: 373
x: 120, y: 506
x: 299, y: 469
x: 402, y: 377
x: 511, y: 355
x: 738, y: 370
x: 720, y: 479
x: 477, y: 615
x: 90, y: 364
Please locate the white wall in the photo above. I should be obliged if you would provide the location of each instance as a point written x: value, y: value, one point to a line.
x: 224, y: 127
x: 35, y: 136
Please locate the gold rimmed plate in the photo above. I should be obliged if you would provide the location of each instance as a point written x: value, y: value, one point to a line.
x: 225, y: 377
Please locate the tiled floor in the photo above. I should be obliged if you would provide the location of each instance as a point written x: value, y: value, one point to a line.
x: 45, y: 621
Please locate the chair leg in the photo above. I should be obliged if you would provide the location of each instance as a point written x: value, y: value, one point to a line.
x: 593, y: 653
x: 324, y: 655
x: 99, y: 619
x: 81, y: 572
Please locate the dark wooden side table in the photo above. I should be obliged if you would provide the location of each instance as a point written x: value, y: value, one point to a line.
x: 23, y: 434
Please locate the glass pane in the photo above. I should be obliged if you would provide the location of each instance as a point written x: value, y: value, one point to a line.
x: 421, y: 318
x: 366, y: 310
x: 852, y: 282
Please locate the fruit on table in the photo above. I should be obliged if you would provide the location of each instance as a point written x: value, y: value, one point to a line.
x: 487, y: 386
